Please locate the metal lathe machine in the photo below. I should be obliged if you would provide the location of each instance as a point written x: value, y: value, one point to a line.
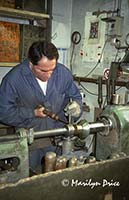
x: 111, y: 132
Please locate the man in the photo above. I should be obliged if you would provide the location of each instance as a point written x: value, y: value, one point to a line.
x: 36, y: 84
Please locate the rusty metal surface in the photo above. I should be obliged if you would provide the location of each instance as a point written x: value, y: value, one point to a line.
x: 51, y: 185
x: 9, y: 42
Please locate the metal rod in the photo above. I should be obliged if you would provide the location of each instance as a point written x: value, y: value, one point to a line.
x: 51, y: 132
x: 6, y: 138
x: 100, y: 96
x: 95, y: 81
x: 108, y: 90
x: 97, y: 126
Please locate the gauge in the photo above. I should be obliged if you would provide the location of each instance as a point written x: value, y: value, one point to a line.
x: 127, y: 39
x: 76, y: 37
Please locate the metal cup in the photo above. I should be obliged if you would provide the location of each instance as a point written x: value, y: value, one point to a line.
x: 50, y: 160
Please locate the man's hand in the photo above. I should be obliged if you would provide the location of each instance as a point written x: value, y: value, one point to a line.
x: 39, y: 111
x: 73, y: 109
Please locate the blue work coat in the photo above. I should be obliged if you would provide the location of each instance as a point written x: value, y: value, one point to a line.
x: 20, y: 94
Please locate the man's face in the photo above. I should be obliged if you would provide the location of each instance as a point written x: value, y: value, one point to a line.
x: 44, y: 68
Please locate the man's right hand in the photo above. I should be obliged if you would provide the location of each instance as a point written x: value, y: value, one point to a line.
x: 39, y: 111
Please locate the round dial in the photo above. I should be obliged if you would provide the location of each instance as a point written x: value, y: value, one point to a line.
x: 127, y: 39
x: 76, y: 37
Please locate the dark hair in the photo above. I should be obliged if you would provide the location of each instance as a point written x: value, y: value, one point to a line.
x: 42, y: 48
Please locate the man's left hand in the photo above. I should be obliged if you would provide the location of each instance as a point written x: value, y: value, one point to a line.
x: 73, y: 109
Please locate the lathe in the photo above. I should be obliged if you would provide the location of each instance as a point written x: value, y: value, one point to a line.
x: 110, y: 130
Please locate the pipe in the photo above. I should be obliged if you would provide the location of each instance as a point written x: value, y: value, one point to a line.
x: 100, y: 96
x: 51, y: 132
x: 108, y: 91
x: 97, y: 127
x: 81, y: 130
x: 6, y: 138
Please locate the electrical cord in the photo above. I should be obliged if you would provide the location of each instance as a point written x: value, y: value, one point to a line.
x: 88, y: 90
x: 115, y: 59
x: 75, y: 39
x: 93, y: 69
x: 98, y: 62
x: 118, y: 88
x: 71, y: 60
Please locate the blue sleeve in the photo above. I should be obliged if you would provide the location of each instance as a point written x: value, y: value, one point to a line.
x: 10, y: 112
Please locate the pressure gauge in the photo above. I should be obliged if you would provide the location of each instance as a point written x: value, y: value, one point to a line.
x: 76, y: 37
x: 127, y: 39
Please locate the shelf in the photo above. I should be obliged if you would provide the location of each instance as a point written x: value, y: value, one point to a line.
x: 8, y: 64
x: 22, y: 14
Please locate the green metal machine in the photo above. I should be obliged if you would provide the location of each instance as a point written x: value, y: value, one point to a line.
x: 14, y: 164
x: 112, y: 138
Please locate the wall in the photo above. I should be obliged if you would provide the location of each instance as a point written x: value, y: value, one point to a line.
x: 78, y: 24
x: 81, y: 68
x: 3, y: 71
x: 61, y: 28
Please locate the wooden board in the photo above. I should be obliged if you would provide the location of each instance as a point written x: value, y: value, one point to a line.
x: 9, y: 42
x: 7, y: 3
